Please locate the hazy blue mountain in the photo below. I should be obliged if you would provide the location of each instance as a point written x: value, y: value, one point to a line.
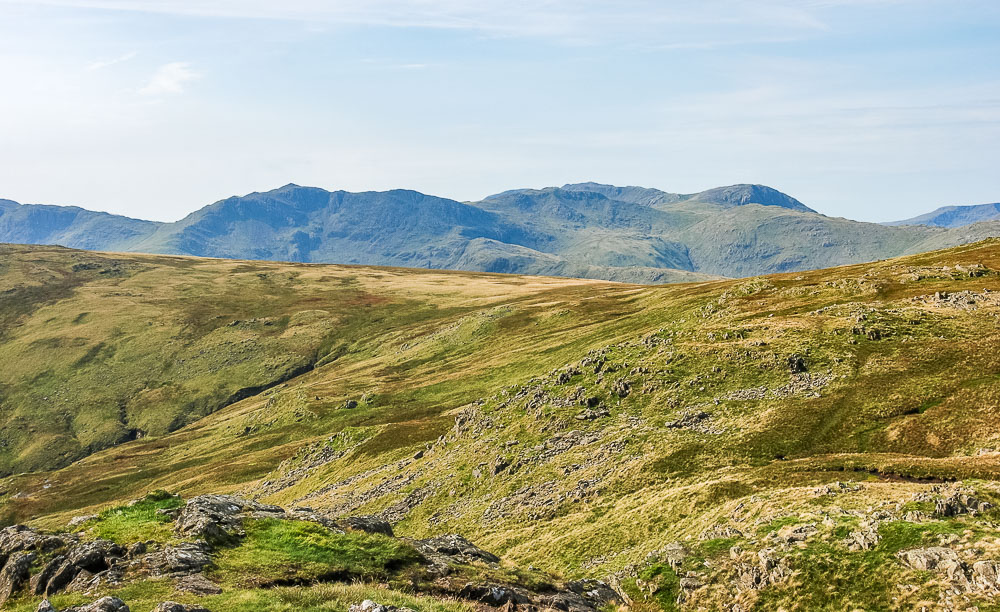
x: 955, y: 216
x: 70, y: 226
x: 292, y: 223
x: 741, y: 195
x: 632, y: 234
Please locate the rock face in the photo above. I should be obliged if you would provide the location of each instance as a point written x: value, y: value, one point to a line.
x: 14, y: 574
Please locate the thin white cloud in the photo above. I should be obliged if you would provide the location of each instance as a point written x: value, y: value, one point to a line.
x: 574, y: 20
x: 169, y: 79
x: 102, y: 64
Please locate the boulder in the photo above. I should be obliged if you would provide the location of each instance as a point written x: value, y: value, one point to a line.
x: 84, y: 582
x: 178, y: 560
x: 986, y: 576
x: 591, y: 414
x: 46, y: 606
x: 197, y: 584
x: 928, y: 558
x: 96, y: 556
x: 370, y: 606
x: 14, y: 574
x: 454, y: 548
x: 594, y: 590
x: 367, y: 524
x: 76, y: 521
x: 495, y: 595
x: 19, y: 537
x: 865, y: 538
x: 173, y: 606
x: 104, y: 604
x: 790, y: 534
x: 621, y: 387
x: 218, y: 519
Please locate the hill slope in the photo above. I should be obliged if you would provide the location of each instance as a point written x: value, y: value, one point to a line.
x: 777, y: 441
x: 955, y: 216
x: 587, y: 230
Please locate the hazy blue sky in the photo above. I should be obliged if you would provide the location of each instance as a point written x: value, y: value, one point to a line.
x: 870, y: 109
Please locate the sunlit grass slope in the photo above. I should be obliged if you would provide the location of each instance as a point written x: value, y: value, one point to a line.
x: 574, y: 425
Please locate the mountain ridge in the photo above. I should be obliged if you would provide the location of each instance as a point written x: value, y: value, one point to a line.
x: 955, y: 216
x: 590, y: 230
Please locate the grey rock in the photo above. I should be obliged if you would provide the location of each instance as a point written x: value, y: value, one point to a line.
x: 96, y: 556
x: 14, y: 574
x: 104, y: 604
x: 197, y: 584
x: 83, y: 582
x: 959, y: 502
x: 495, y: 594
x: 17, y: 538
x: 591, y: 414
x: 596, y: 592
x: 62, y: 575
x: 180, y: 559
x: 217, y: 519
x: 454, y: 548
x: 370, y: 606
x: 865, y: 538
x: 79, y: 520
x: 928, y: 558
x: 40, y: 581
x: 173, y: 606
x: 46, y: 606
x: 367, y: 524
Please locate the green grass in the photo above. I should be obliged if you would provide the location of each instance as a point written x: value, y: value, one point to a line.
x: 147, y: 594
x: 279, y: 552
x: 136, y: 522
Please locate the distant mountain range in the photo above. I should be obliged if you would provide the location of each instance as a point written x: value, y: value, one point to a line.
x: 955, y: 216
x: 589, y: 230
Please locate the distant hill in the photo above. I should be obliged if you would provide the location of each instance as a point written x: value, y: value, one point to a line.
x: 70, y: 226
x: 955, y: 216
x: 587, y: 230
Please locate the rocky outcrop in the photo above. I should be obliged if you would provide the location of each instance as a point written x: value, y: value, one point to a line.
x: 959, y: 501
x: 178, y: 560
x: 451, y: 549
x: 981, y: 577
x: 754, y: 572
x: 104, y: 604
x: 208, y: 521
x: 173, y: 606
x: 370, y: 606
x: 14, y: 574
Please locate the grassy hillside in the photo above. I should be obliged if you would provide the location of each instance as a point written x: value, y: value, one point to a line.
x: 704, y: 444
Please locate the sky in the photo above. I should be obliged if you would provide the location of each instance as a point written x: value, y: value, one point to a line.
x: 869, y: 109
